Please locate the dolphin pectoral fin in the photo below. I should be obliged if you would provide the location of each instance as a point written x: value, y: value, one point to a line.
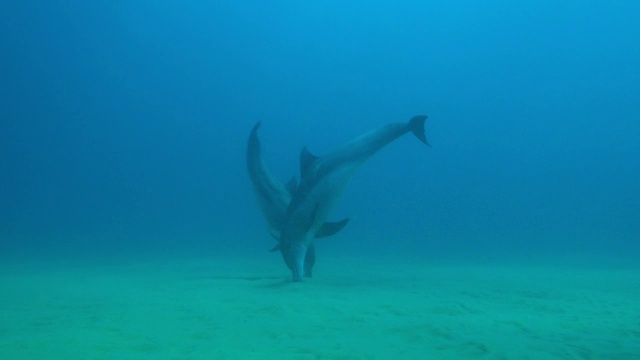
x: 292, y: 185
x: 276, y: 248
x: 331, y: 228
x: 306, y: 160
x: 275, y: 233
x: 416, y: 126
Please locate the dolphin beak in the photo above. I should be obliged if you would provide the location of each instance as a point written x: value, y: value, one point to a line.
x: 296, y: 254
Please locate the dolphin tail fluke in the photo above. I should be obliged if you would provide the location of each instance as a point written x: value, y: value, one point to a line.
x: 416, y: 126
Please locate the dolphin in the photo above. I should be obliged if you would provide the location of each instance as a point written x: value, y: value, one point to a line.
x: 274, y: 197
x: 322, y: 181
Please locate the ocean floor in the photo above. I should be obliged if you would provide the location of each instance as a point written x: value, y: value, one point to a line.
x: 351, y: 309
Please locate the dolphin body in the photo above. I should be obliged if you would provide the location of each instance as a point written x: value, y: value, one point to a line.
x: 274, y: 197
x: 322, y: 181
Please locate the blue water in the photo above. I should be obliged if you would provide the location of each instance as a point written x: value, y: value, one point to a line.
x: 123, y: 125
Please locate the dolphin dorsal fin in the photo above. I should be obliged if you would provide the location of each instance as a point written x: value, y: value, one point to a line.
x: 292, y: 185
x: 306, y: 160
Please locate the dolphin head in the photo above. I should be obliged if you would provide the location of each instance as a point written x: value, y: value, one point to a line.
x: 295, y: 254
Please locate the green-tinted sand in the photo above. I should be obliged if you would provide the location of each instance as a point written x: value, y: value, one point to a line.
x: 370, y: 310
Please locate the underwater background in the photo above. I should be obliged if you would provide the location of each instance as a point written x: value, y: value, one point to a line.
x: 124, y: 125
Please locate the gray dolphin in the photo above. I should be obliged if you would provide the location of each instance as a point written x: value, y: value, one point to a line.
x: 274, y: 197
x: 322, y: 182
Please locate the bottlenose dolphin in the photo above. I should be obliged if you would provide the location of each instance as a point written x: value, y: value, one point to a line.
x: 273, y: 198
x: 323, y: 180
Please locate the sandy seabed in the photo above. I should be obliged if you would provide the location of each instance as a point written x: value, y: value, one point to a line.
x: 351, y: 309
